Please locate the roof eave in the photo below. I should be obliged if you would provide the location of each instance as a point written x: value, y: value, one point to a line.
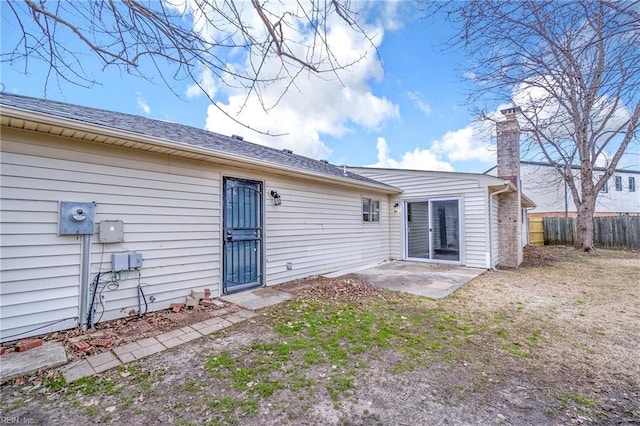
x: 527, y: 202
x: 150, y: 141
x: 508, y: 186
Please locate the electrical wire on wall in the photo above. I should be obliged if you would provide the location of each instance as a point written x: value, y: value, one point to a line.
x: 141, y: 293
x: 111, y: 284
x: 110, y: 281
x: 98, y: 287
x: 94, y: 284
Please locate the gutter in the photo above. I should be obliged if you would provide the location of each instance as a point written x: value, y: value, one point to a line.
x: 151, y: 141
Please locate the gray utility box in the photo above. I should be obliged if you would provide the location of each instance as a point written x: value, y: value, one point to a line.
x: 135, y: 260
x: 111, y: 231
x: 126, y: 261
x: 120, y: 261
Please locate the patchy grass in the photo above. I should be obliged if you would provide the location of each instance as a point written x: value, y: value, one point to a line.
x: 86, y: 385
x: 91, y: 411
x: 320, y: 346
x: 55, y: 384
x: 526, y: 340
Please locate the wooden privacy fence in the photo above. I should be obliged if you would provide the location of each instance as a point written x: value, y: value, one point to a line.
x: 608, y: 232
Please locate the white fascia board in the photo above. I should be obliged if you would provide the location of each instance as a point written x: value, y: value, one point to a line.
x: 508, y: 186
x: 501, y: 185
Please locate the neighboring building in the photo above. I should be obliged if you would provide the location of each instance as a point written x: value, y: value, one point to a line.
x: 543, y: 184
x: 105, y: 215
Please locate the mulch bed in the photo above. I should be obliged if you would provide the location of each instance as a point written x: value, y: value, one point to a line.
x: 543, y: 256
x: 347, y: 288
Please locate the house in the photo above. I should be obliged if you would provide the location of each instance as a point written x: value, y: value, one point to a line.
x: 449, y: 216
x: 552, y: 197
x: 477, y: 220
x: 106, y: 215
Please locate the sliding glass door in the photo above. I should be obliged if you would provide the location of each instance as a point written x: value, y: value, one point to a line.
x: 433, y: 229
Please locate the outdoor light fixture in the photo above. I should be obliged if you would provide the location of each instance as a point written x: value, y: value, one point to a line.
x: 396, y: 207
x: 276, y: 197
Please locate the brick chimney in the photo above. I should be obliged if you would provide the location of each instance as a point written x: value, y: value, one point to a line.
x: 508, y: 146
x: 509, y: 209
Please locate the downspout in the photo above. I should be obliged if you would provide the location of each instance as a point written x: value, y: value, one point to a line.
x: 526, y: 215
x: 491, y: 201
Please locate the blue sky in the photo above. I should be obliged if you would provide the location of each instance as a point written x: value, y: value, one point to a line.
x: 405, y: 111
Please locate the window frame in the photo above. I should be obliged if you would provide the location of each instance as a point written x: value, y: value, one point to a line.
x: 618, y: 183
x: 605, y: 187
x: 370, y: 210
x: 632, y: 184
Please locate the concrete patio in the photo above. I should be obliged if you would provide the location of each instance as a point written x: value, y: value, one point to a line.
x: 435, y: 280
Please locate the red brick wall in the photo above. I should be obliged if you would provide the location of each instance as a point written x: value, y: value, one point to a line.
x: 509, y: 212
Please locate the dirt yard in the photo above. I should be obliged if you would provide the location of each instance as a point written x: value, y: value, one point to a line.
x: 554, y: 342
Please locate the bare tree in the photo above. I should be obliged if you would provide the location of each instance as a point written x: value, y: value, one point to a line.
x: 179, y: 40
x: 573, y: 68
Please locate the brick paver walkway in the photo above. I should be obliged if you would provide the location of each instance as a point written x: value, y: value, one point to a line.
x: 149, y: 346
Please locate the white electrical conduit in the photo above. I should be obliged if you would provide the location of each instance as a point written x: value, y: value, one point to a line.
x: 84, y: 279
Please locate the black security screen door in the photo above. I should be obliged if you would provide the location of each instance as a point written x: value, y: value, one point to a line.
x: 242, y: 247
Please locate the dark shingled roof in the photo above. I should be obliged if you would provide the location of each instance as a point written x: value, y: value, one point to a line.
x: 181, y: 134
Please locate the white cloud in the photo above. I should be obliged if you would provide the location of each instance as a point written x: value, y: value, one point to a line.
x: 416, y: 99
x: 418, y: 159
x: 467, y: 144
x: 142, y: 103
x: 538, y: 99
x: 316, y: 104
x: 469, y: 75
x: 206, y: 83
x: 471, y: 143
x: 392, y: 19
x: 476, y: 142
x: 541, y: 109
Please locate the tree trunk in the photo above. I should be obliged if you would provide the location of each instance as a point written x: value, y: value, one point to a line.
x: 584, y: 224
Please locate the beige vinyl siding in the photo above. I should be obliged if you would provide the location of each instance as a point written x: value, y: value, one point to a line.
x: 318, y: 229
x: 394, y: 226
x: 50, y: 285
x: 471, y: 191
x: 170, y: 211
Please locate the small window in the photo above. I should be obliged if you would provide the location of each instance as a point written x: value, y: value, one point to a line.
x: 632, y: 184
x: 618, y: 183
x: 370, y: 210
x: 366, y: 209
x: 605, y: 187
x: 375, y: 211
